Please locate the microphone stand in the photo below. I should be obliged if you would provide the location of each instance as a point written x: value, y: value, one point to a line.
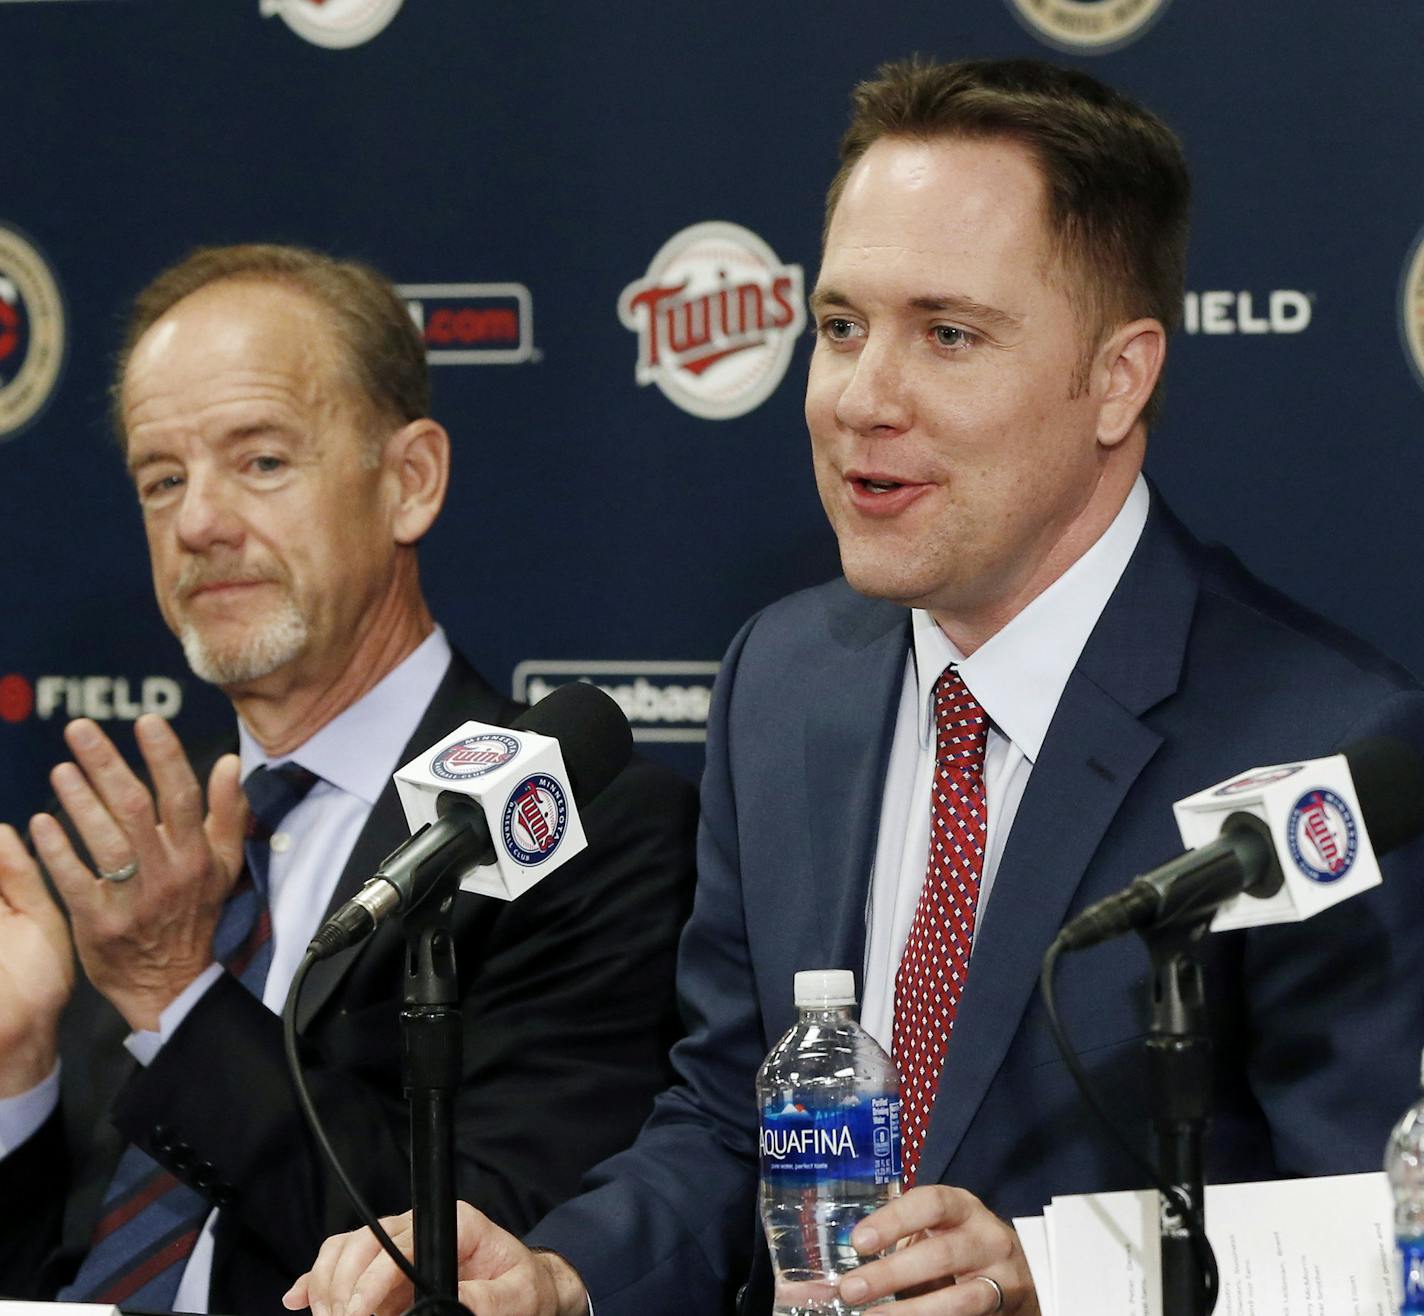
x: 1179, y: 1060
x: 431, y: 1065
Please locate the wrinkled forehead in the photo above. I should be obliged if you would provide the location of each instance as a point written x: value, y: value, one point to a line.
x: 231, y: 339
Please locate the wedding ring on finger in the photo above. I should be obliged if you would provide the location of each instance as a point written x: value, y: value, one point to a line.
x: 998, y: 1293
x: 119, y: 874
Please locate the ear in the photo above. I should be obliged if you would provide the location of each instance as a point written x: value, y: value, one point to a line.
x: 1125, y: 371
x: 417, y: 460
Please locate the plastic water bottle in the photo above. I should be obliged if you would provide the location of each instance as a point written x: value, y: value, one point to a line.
x: 1404, y: 1163
x: 830, y: 1143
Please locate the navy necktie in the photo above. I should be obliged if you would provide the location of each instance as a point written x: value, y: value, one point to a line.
x: 150, y: 1220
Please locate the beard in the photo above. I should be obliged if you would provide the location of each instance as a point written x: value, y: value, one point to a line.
x: 265, y: 646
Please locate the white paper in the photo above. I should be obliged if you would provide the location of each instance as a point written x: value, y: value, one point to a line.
x: 1033, y: 1238
x: 8, y: 1308
x: 1294, y: 1247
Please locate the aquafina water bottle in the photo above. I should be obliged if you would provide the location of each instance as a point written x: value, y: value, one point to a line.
x: 830, y: 1143
x: 1404, y: 1163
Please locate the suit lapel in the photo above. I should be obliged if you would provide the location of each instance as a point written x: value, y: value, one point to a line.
x: 1096, y: 747
x: 848, y: 737
x: 462, y: 696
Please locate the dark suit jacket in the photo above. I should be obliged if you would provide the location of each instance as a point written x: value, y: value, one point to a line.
x: 1194, y: 672
x: 568, y: 1012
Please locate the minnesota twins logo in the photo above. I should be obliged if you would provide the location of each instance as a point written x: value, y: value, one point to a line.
x: 1094, y: 26
x: 336, y: 24
x: 32, y: 332
x: 716, y: 315
x: 1411, y: 307
x: 1323, y: 836
x: 535, y: 819
x: 474, y: 756
x: 1256, y: 779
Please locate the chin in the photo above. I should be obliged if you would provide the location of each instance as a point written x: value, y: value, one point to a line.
x: 258, y: 652
x: 878, y: 580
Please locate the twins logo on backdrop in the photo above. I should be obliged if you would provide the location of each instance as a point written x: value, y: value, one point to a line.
x: 1411, y: 307
x: 32, y: 332
x: 1092, y: 26
x: 473, y: 324
x: 716, y: 315
x: 336, y: 24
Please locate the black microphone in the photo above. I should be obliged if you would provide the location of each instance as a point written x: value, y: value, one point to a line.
x: 596, y: 744
x: 1247, y: 857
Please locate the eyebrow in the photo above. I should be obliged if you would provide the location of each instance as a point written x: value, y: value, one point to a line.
x: 948, y: 303
x: 238, y: 434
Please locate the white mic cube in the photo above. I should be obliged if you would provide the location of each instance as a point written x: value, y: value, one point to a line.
x: 519, y: 780
x: 1316, y: 827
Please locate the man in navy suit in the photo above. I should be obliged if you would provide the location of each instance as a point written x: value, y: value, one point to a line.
x: 273, y: 405
x: 1003, y: 261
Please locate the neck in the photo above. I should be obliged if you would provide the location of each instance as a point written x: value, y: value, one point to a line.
x: 282, y: 718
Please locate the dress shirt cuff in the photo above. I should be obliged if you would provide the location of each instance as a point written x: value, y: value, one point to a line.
x: 146, y: 1043
x: 22, y: 1116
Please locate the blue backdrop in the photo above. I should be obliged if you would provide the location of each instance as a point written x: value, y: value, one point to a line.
x: 529, y: 173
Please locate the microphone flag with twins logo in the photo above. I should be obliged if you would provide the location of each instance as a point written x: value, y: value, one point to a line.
x: 519, y: 779
x: 1328, y: 820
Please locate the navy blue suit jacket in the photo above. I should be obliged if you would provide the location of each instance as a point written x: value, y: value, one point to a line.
x: 567, y: 1008
x: 1194, y: 672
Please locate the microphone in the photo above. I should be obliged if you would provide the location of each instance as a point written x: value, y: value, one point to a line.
x: 1274, y: 845
x: 498, y: 805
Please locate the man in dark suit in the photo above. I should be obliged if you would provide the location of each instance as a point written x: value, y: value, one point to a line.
x: 989, y: 741
x: 273, y: 405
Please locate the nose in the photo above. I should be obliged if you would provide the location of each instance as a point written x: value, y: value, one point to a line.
x: 874, y: 400
x: 207, y: 513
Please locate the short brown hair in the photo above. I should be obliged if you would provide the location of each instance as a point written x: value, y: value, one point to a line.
x: 1114, y: 177
x: 383, y: 350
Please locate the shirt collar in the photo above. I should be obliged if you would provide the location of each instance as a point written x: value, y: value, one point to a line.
x: 1018, y: 674
x: 355, y: 750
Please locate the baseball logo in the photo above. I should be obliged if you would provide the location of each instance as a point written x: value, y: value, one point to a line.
x: 474, y: 756
x: 1323, y: 835
x: 1091, y: 26
x: 1411, y: 308
x: 535, y: 819
x: 716, y: 316
x: 32, y: 332
x: 1256, y: 779
x: 335, y: 24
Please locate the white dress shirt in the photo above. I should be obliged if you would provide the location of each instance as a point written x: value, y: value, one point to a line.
x: 354, y: 756
x: 1017, y: 676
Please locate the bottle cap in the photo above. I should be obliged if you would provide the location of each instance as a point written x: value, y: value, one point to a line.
x: 824, y: 988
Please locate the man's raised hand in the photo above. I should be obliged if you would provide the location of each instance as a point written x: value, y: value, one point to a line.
x: 144, y: 937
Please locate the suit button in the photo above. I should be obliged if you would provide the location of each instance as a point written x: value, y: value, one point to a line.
x: 204, y: 1174
x: 181, y: 1157
x: 221, y: 1194
x: 163, y: 1139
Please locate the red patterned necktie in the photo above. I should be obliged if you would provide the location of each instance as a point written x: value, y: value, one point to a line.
x: 935, y: 962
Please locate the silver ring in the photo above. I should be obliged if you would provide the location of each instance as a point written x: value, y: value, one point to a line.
x: 998, y: 1293
x: 120, y: 874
